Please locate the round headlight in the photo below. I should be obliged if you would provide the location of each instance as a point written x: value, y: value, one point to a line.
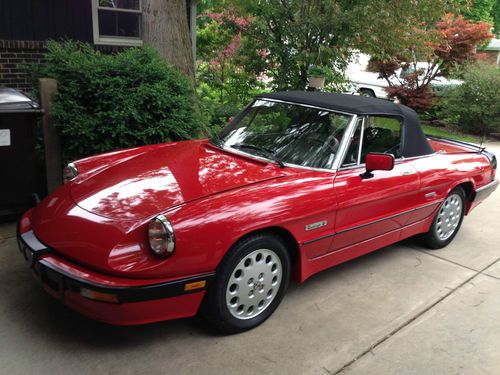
x: 69, y: 172
x: 161, y: 236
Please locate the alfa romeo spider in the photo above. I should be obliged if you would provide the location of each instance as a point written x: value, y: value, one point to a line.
x: 296, y: 183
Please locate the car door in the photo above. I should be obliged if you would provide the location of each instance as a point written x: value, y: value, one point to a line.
x: 369, y: 208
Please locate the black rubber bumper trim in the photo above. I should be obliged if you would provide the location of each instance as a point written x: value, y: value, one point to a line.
x: 60, y: 280
x: 485, y: 191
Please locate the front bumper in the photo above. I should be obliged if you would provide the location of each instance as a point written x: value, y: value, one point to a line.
x: 111, y: 299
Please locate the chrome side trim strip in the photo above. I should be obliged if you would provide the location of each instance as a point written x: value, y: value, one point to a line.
x: 319, y: 238
x: 372, y: 222
x: 376, y: 221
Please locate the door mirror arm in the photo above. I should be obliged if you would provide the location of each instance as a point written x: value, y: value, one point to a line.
x: 366, y: 174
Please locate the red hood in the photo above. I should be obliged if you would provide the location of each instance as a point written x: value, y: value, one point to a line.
x: 159, y: 179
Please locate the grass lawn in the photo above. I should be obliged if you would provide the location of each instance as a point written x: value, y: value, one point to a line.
x: 393, y: 124
x: 442, y: 132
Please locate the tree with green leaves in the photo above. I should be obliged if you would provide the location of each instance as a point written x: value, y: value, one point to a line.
x: 298, y: 34
x: 286, y: 37
x: 229, y: 65
x: 478, y: 10
x: 496, y: 17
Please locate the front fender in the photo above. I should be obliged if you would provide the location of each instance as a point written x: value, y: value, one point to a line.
x: 206, y: 230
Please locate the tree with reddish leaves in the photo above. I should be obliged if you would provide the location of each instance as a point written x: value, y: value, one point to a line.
x: 453, y: 41
x: 459, y: 39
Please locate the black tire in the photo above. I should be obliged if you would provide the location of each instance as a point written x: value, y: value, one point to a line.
x: 220, y: 311
x: 433, y: 239
x: 367, y: 92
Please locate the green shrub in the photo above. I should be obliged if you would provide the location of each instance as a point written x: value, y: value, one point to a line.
x: 216, y: 113
x: 112, y: 101
x: 475, y: 105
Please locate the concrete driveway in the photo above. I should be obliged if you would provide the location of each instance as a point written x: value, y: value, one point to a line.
x: 400, y: 310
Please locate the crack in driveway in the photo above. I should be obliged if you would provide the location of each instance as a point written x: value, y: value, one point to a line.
x: 416, y: 316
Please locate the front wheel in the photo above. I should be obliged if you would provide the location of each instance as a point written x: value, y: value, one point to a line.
x: 447, y: 221
x: 250, y: 284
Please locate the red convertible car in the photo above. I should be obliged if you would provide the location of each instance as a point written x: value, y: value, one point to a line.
x: 298, y: 182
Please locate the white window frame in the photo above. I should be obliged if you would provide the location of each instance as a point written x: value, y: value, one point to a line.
x: 113, y: 40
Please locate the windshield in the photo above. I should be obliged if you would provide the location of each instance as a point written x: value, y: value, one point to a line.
x: 287, y: 133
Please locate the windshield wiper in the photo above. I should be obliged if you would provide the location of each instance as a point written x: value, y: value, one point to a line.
x: 266, y: 151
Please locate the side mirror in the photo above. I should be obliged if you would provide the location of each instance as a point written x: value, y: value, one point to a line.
x: 377, y: 162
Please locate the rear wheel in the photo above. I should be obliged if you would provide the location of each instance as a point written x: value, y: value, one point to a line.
x: 447, y: 221
x: 250, y: 284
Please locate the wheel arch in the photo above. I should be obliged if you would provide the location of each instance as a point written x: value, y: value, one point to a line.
x: 217, y: 312
x: 288, y: 239
x: 468, y: 188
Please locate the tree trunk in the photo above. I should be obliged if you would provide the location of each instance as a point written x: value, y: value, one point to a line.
x: 165, y: 27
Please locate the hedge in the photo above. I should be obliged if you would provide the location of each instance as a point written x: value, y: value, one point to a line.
x: 474, y: 105
x: 113, y: 101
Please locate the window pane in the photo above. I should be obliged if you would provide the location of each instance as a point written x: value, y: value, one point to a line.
x: 381, y: 134
x: 124, y: 4
x: 351, y: 157
x: 112, y: 23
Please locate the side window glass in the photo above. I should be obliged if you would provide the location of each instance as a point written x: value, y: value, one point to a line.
x: 352, y: 155
x: 381, y: 134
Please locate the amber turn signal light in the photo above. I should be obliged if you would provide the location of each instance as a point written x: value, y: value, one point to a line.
x: 99, y: 296
x: 196, y: 285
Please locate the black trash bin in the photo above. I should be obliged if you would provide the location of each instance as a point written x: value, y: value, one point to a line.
x: 18, y: 163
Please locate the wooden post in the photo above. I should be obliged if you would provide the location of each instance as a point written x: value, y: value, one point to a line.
x: 48, y: 87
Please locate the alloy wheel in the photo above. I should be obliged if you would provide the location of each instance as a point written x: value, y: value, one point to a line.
x: 449, y: 216
x: 254, y: 284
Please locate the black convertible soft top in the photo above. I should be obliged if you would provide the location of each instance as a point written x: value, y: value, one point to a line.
x: 413, y: 143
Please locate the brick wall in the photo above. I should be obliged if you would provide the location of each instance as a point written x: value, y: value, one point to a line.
x: 15, y: 53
